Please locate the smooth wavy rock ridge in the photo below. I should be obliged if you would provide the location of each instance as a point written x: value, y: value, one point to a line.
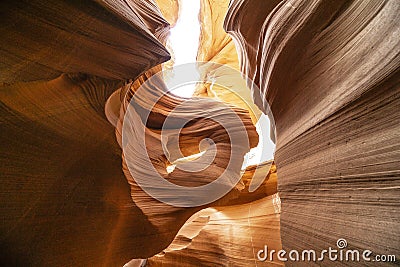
x: 78, y: 77
x: 330, y: 72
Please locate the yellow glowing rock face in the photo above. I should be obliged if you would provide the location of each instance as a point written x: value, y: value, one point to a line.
x: 169, y: 10
x: 328, y: 68
x: 217, y: 46
x: 231, y: 234
x: 65, y: 175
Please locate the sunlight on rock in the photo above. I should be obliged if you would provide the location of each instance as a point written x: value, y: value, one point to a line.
x: 142, y: 133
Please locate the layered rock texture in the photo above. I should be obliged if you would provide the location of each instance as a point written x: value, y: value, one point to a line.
x: 330, y: 72
x: 65, y: 199
x: 216, y: 46
x: 65, y: 196
x: 226, y: 236
x: 229, y: 235
x: 78, y: 77
x: 43, y: 40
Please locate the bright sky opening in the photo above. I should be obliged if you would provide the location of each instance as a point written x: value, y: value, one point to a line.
x: 265, y: 149
x: 184, y: 40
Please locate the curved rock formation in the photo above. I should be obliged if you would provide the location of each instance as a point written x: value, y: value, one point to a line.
x: 64, y: 197
x: 217, y: 46
x: 229, y: 236
x: 168, y: 219
x: 60, y: 154
x: 70, y: 195
x: 170, y: 10
x: 73, y: 36
x: 330, y: 72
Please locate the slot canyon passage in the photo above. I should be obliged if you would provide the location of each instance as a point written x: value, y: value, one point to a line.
x: 89, y: 133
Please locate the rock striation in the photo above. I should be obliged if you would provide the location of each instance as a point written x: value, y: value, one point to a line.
x: 43, y: 40
x: 220, y: 80
x: 79, y: 81
x: 260, y: 210
x: 230, y: 235
x: 64, y: 196
x: 168, y: 219
x: 65, y: 199
x: 330, y: 72
x: 64, y: 191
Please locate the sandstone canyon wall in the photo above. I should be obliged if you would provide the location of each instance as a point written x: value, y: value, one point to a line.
x: 226, y: 235
x: 328, y: 72
x: 65, y: 200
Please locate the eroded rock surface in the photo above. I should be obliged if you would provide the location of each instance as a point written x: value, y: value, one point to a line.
x: 330, y: 72
x: 216, y: 46
x: 204, y: 239
x: 110, y: 39
x: 64, y: 196
x: 65, y: 199
x: 328, y: 69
